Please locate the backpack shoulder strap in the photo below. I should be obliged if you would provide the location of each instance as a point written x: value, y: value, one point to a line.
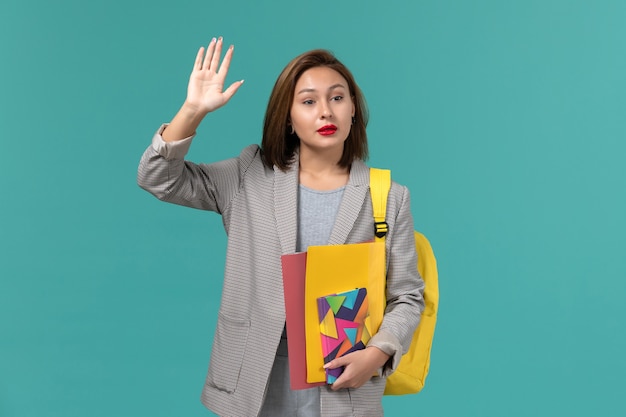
x: 380, y: 183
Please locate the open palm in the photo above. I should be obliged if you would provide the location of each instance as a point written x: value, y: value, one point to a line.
x: 205, y: 91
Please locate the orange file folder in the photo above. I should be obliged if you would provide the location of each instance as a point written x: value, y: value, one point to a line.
x: 339, y: 268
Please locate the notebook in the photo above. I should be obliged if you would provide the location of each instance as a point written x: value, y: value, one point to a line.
x: 344, y: 326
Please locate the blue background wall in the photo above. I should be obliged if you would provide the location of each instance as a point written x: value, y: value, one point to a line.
x: 513, y: 110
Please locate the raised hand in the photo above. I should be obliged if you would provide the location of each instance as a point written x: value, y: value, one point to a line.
x: 205, y: 91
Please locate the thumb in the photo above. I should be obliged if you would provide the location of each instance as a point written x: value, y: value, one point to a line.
x: 230, y: 91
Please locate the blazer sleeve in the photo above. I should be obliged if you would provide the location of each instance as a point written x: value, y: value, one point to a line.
x: 405, y: 287
x: 165, y: 173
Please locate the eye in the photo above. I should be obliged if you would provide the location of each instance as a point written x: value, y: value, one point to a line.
x: 337, y: 98
x: 307, y: 101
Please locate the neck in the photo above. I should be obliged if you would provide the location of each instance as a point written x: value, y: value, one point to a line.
x: 322, y: 173
x: 320, y: 159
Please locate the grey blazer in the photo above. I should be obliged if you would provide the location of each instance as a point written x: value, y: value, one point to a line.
x: 258, y: 208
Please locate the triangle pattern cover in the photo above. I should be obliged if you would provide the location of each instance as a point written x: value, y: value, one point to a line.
x: 343, y: 320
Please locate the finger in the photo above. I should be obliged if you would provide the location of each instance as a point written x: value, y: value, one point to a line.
x: 209, y: 53
x: 226, y: 61
x: 198, y: 63
x: 335, y: 363
x: 339, y: 383
x: 215, y: 60
x: 336, y: 386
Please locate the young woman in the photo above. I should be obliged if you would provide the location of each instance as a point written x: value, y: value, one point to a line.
x: 306, y: 185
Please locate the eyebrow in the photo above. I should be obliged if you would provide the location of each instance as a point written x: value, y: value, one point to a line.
x: 312, y: 90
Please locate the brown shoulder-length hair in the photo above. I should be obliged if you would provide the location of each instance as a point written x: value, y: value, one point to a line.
x: 279, y: 144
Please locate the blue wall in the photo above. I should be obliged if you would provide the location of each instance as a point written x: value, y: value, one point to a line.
x: 513, y: 110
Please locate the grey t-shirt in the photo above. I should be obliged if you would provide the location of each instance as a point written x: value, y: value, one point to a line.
x: 316, y: 216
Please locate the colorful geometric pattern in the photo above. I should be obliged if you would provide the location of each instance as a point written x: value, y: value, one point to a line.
x: 344, y: 326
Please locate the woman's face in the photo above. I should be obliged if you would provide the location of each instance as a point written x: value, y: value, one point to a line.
x: 322, y: 110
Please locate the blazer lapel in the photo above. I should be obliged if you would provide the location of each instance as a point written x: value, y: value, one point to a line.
x: 354, y: 196
x: 286, y: 206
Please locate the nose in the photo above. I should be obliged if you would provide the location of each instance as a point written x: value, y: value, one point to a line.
x: 325, y: 111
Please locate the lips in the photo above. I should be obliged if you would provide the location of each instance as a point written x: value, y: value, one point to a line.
x: 327, y: 130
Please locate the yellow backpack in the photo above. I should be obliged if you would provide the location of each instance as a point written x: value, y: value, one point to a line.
x: 410, y: 376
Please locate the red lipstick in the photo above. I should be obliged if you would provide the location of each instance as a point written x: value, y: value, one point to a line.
x: 327, y: 130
